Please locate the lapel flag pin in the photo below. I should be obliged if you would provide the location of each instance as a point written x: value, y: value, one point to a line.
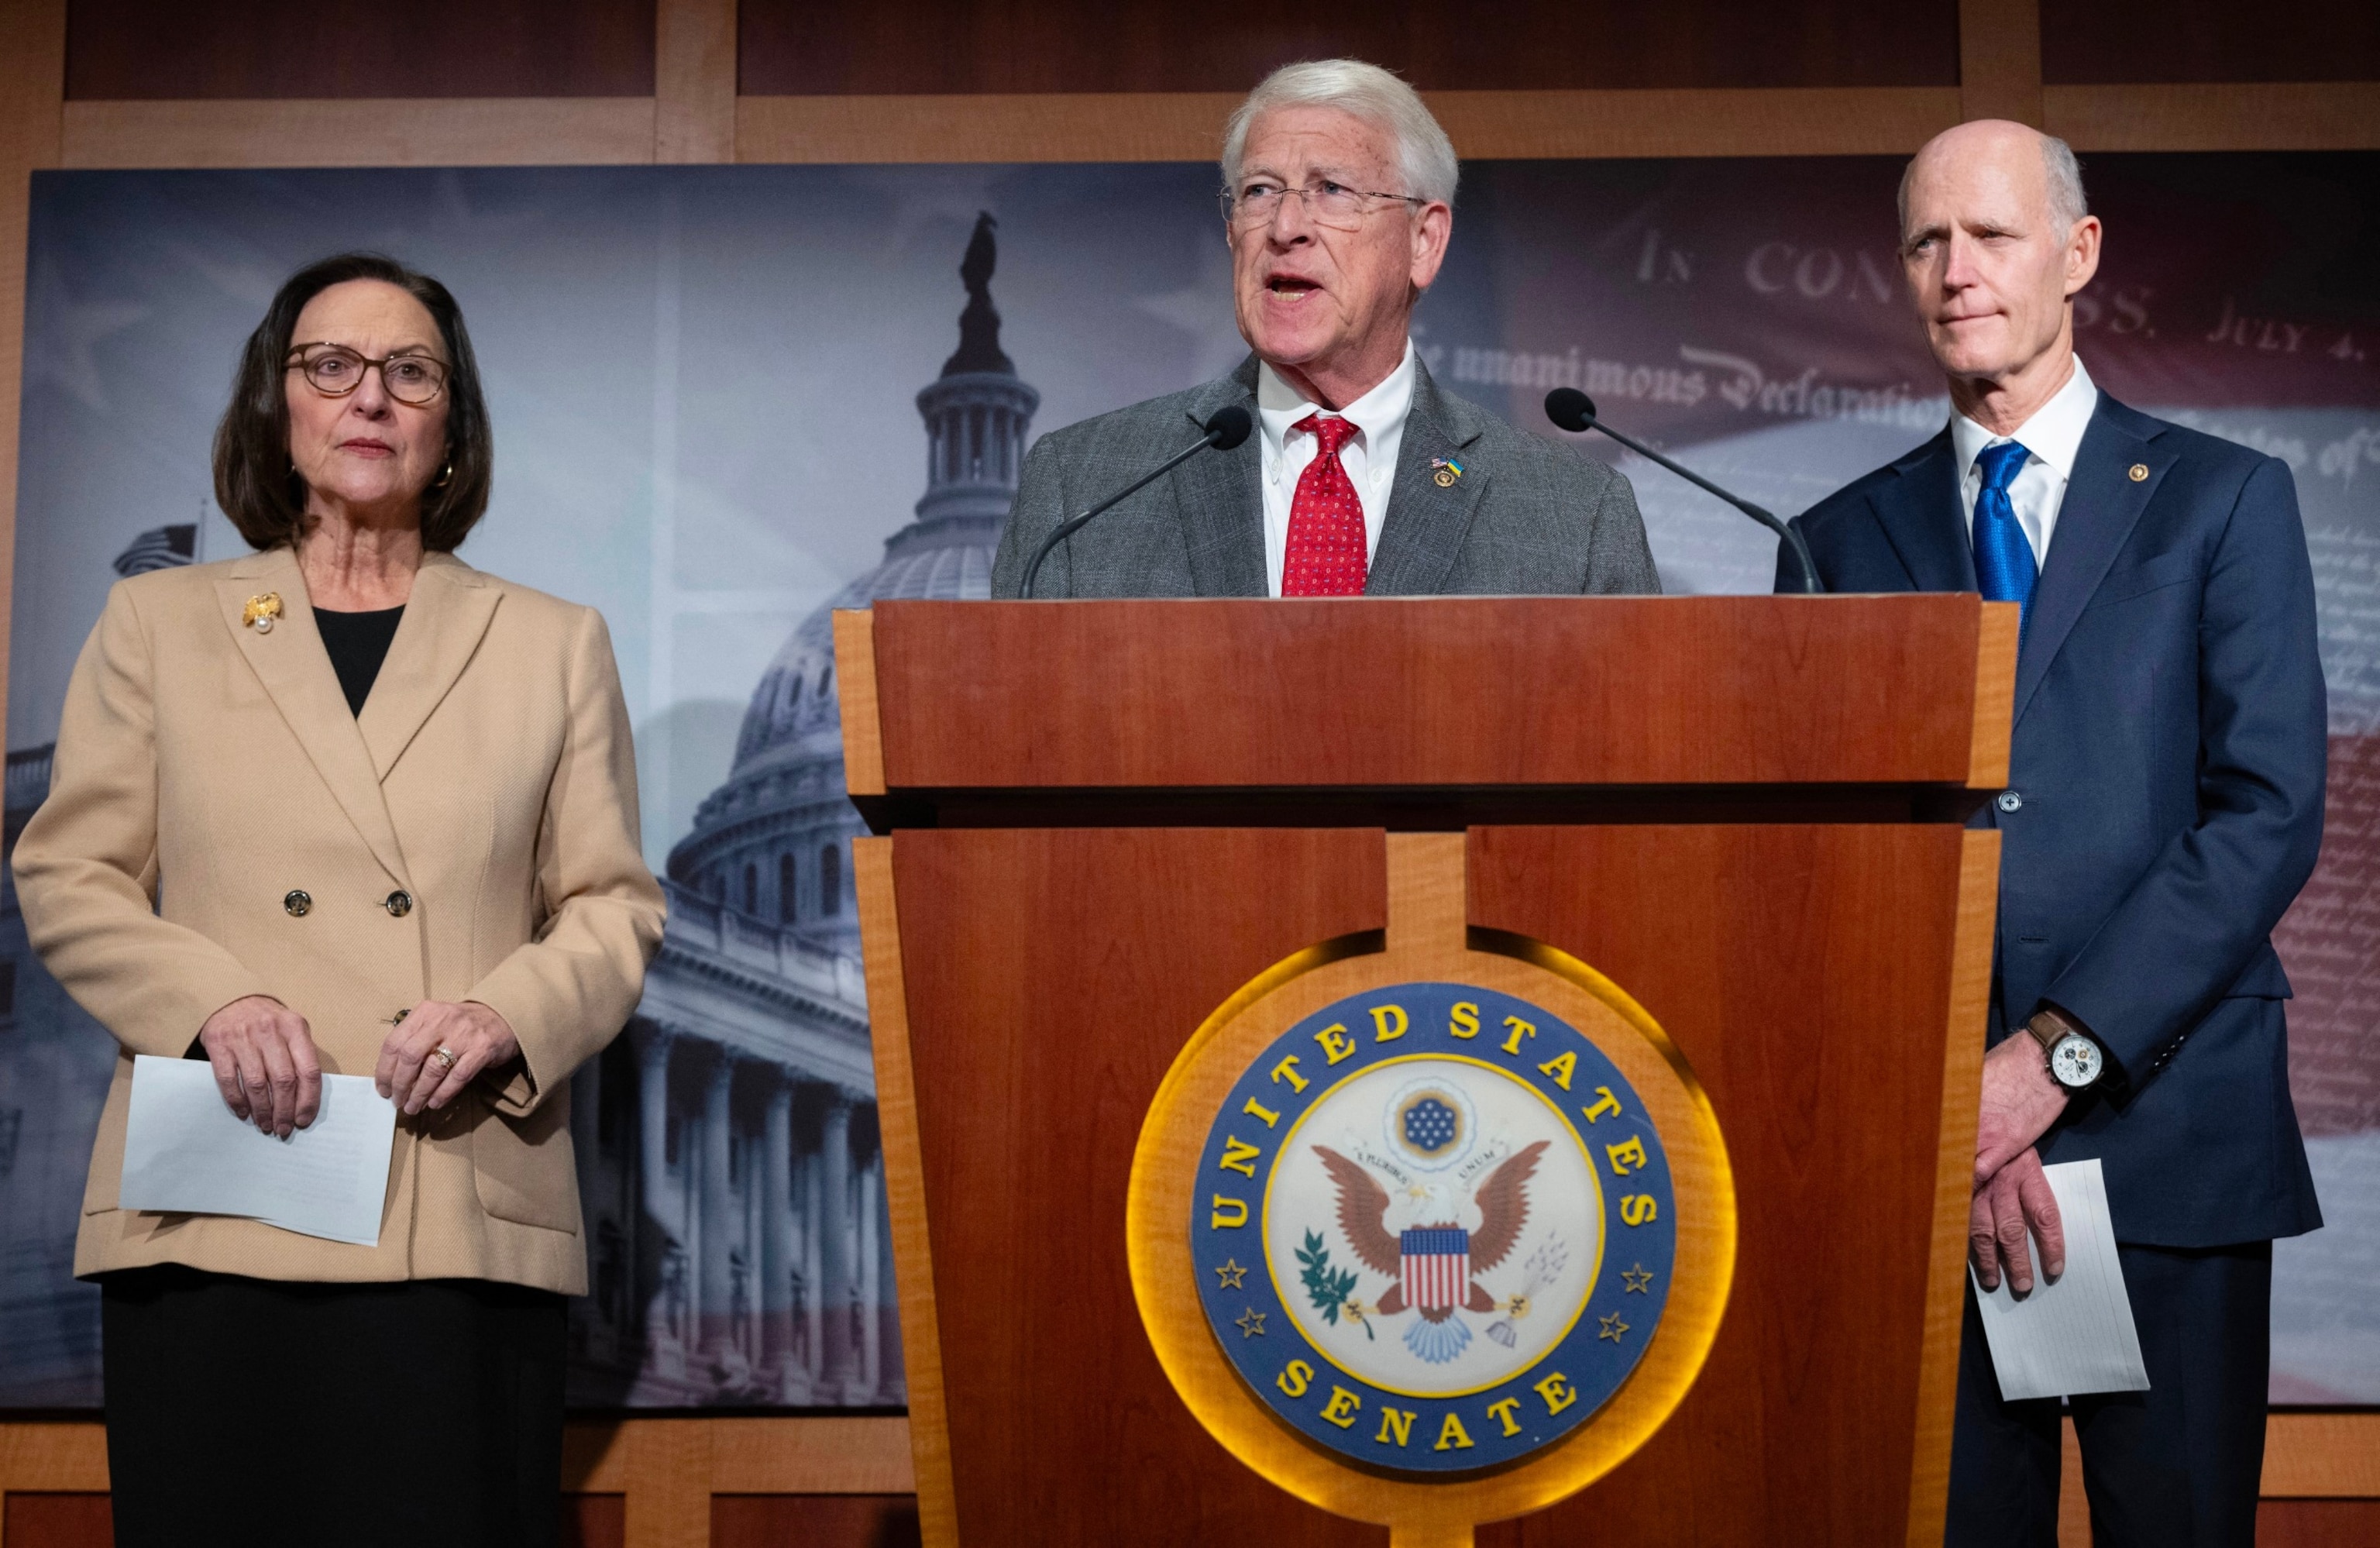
x: 1447, y: 471
x: 260, y: 611
x: 2140, y: 472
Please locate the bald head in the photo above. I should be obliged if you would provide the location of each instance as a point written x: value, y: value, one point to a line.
x: 2062, y: 175
x: 1994, y: 242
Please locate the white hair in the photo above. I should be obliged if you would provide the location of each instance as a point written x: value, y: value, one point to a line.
x: 2063, y: 173
x: 1370, y: 93
x: 2067, y: 204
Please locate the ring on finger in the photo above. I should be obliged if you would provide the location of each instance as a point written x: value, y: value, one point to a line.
x: 444, y: 1055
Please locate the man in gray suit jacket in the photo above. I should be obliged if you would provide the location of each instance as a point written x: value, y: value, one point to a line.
x: 1363, y: 478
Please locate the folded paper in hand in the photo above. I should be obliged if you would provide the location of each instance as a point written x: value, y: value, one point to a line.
x: 184, y: 1151
x: 2076, y: 1335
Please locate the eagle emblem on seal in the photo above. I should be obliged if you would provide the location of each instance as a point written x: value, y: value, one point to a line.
x: 1433, y: 1259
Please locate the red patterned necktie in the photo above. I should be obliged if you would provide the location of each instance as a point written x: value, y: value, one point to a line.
x: 1326, y: 553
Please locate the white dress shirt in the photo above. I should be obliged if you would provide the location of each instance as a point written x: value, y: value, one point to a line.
x: 1369, y: 456
x: 2053, y: 437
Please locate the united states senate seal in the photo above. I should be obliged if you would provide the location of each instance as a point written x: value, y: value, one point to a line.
x: 1434, y: 1228
x: 1431, y: 1226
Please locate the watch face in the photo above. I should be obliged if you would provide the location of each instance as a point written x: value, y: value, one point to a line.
x: 2075, y: 1062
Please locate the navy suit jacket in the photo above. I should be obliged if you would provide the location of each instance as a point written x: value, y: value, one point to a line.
x: 2166, y: 778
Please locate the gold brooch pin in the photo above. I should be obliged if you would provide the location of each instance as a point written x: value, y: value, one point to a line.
x: 2140, y: 472
x: 260, y: 611
x: 1447, y: 471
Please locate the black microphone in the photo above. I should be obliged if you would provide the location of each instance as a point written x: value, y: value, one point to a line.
x: 1226, y: 430
x: 1573, y: 411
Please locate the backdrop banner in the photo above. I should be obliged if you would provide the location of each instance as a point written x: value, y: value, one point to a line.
x: 726, y: 400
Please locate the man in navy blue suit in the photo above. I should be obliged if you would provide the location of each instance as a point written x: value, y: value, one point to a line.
x: 2163, y: 807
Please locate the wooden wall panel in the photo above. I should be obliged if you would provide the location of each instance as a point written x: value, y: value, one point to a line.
x: 57, y: 1520
x: 594, y: 1521
x: 800, y: 47
x: 627, y: 1483
x: 144, y: 49
x: 1783, y: 962
x: 1999, y: 60
x: 86, y: 1520
x: 2186, y: 40
x: 2306, y: 116
x: 32, y: 60
x: 814, y: 1521
x: 2323, y: 1454
x: 63, y: 1520
x: 1050, y: 980
x: 1801, y: 121
x: 694, y: 73
x: 354, y: 131
x: 1188, y: 126
x: 2318, y: 1524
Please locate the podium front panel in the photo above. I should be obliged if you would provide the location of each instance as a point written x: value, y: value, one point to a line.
x: 1047, y: 978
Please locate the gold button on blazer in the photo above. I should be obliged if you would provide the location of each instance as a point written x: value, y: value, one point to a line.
x: 208, y: 772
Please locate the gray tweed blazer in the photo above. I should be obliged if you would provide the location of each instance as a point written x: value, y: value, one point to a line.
x: 1528, y: 517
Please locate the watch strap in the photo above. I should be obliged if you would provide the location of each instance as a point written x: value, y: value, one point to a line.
x: 2047, y: 1026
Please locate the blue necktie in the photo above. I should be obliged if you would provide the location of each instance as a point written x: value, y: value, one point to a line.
x: 2003, y: 565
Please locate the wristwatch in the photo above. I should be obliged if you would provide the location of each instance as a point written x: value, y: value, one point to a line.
x: 2075, y: 1061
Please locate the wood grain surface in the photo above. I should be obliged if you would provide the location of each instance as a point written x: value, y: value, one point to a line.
x: 2297, y: 115
x: 1429, y: 691
x: 554, y: 131
x: 2103, y: 42
x: 905, y: 1169
x: 1051, y: 978
x: 131, y: 49
x: 474, y: 131
x: 1188, y: 126
x: 61, y: 1520
x: 1807, y: 973
x: 2322, y: 1456
x: 814, y: 1521
x: 627, y: 1483
x: 1999, y: 60
x: 694, y: 81
x: 1967, y: 1007
x: 2314, y: 1524
x: 869, y: 46
x: 33, y: 62
x: 1995, y: 701
x: 85, y: 1520
x: 855, y: 691
x: 588, y: 1521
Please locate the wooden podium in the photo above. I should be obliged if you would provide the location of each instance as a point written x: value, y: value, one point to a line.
x: 1102, y: 821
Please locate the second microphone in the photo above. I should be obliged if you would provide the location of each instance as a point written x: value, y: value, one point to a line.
x: 1228, y: 427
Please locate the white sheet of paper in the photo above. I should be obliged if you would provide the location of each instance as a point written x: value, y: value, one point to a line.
x: 2076, y: 1335
x: 185, y: 1152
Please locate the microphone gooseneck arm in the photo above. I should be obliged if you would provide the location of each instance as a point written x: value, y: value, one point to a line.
x: 1226, y: 430
x: 1573, y: 411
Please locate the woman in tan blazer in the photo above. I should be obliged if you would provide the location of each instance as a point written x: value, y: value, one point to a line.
x: 347, y: 805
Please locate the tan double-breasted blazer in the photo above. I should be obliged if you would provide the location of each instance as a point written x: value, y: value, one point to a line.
x: 471, y: 835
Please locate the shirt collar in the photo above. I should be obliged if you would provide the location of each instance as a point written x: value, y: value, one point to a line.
x: 2054, y: 434
x: 1279, y: 405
